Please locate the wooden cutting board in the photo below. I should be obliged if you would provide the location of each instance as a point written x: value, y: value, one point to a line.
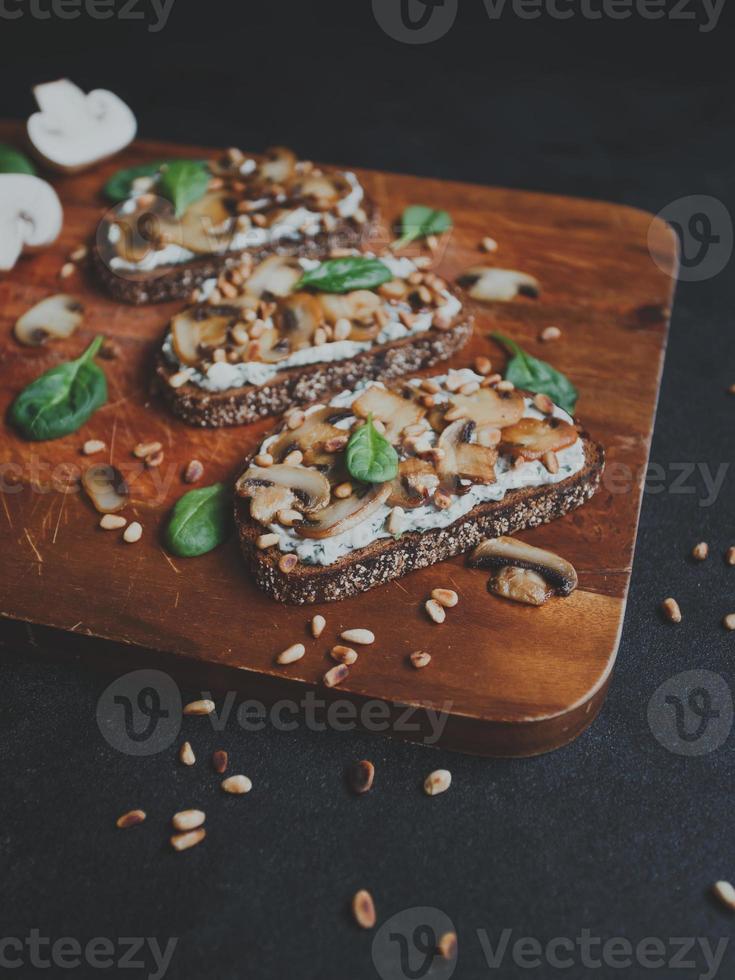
x: 515, y: 680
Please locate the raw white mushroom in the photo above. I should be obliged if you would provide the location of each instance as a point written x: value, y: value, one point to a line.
x: 30, y: 216
x: 73, y: 130
x: 55, y: 316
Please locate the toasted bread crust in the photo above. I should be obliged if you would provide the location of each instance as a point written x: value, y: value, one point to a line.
x: 301, y: 385
x: 388, y: 558
x: 178, y: 281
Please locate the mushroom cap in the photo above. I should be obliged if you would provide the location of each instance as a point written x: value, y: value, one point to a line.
x: 54, y: 316
x: 489, y: 284
x: 30, y: 216
x: 345, y: 513
x: 309, y: 487
x: 503, y: 551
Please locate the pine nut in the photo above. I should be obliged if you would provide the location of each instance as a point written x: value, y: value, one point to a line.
x: 266, y: 540
x: 92, y: 446
x: 725, y: 892
x: 144, y: 449
x: 291, y: 654
x: 550, y: 333
x: 483, y: 365
x: 287, y: 563
x: 700, y: 551
x: 505, y: 386
x: 289, y: 517
x: 342, y: 491
x: 188, y: 819
x: 435, y: 611
x: 294, y: 458
x: 154, y: 460
x: 445, y: 597
x: 671, y: 610
x: 193, y: 472
x: 130, y: 819
x: 186, y: 754
x: 419, y: 659
x: 729, y: 621
x: 67, y: 269
x: 447, y: 946
x: 543, y: 403
x: 295, y: 419
x: 202, y: 707
x: 342, y: 328
x: 730, y: 555
x: 112, y: 522
x: 360, y: 636
x: 237, y: 785
x: 336, y: 675
x: 396, y: 520
x: 489, y: 244
x: 442, y: 499
x: 470, y: 388
x: 343, y: 655
x: 79, y: 253
x: 133, y: 532
x: 182, y: 842
x: 178, y: 379
x: 361, y: 776
x: 437, y: 782
x: 363, y: 909
x: 551, y: 462
x: 263, y: 459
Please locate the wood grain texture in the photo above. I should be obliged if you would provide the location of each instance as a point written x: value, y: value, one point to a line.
x: 517, y: 681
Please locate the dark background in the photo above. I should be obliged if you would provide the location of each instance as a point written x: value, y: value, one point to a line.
x: 614, y: 833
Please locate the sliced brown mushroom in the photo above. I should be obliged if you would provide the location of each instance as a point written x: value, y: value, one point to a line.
x: 146, y: 229
x: 55, y: 316
x: 359, y: 307
x: 500, y: 285
x: 488, y: 406
x: 266, y: 502
x: 271, y: 347
x: 311, y: 436
x: 393, y: 410
x: 198, y: 329
x: 298, y: 318
x: 462, y: 459
x: 309, y: 488
x: 415, y: 484
x: 278, y: 166
x: 274, y: 276
x: 105, y: 487
x: 499, y: 552
x: 321, y: 192
x: 344, y: 514
x: 533, y: 438
x: 520, y: 585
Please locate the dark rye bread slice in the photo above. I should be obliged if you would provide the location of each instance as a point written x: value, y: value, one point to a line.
x: 177, y: 281
x: 388, y: 558
x: 301, y: 385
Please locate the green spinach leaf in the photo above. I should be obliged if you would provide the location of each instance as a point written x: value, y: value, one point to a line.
x: 12, y: 161
x: 120, y: 186
x: 370, y: 457
x: 62, y: 399
x: 418, y: 221
x: 344, y: 275
x: 183, y: 182
x: 199, y: 521
x: 528, y: 372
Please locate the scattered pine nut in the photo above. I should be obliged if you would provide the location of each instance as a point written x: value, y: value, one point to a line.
x: 419, y: 659
x: 130, y: 819
x: 396, y: 520
x: 317, y: 626
x: 67, y: 269
x: 266, y: 540
x: 186, y: 754
x: 78, y: 254
x: 154, y: 460
x: 237, y: 785
x: 730, y: 555
x: 483, y: 365
x: 447, y: 946
x: 551, y: 461
x: 220, y: 760
x: 445, y: 597
x: 549, y: 333
x: 670, y: 608
x: 361, y: 776
x: 193, y: 472
x: 291, y: 654
x: 144, y: 449
x: 336, y: 675
x: 182, y: 842
x: 729, y: 621
x: 363, y: 909
x: 505, y: 386
x: 287, y: 563
x: 188, y: 819
x: 725, y: 892
x: 342, y: 328
x: 92, y: 446
x: 295, y: 419
x: 437, y: 782
x: 178, y: 379
x: 362, y: 637
x: 133, y: 532
x: 543, y: 403
x: 343, y: 655
x: 435, y: 611
x: 112, y: 522
x: 202, y: 707
x: 432, y: 243
x: 342, y: 491
x: 700, y: 551
x: 263, y: 459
